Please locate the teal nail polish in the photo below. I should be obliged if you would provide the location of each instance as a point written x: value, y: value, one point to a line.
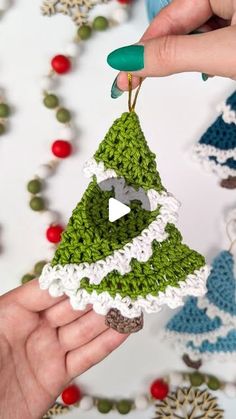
x: 129, y: 58
x: 115, y: 91
x: 205, y: 77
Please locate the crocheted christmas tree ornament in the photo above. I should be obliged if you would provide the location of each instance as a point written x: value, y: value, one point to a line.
x: 193, y: 324
x: 220, y: 299
x: 137, y: 263
x: 216, y: 149
x: 224, y: 349
x: 207, y: 321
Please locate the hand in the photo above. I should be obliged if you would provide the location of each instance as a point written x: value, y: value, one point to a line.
x: 166, y: 48
x: 44, y: 344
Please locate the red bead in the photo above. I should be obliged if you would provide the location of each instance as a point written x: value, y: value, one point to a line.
x: 53, y: 233
x: 71, y: 394
x: 61, y: 148
x: 125, y: 1
x: 61, y: 64
x: 159, y: 389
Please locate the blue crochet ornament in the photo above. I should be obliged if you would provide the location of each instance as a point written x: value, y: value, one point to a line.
x: 193, y: 324
x: 220, y: 299
x: 207, y: 322
x: 216, y: 149
x: 223, y: 349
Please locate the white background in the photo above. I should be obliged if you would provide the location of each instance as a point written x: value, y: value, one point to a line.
x: 174, y: 111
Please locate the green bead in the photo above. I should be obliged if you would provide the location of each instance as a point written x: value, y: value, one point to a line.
x: 84, y: 32
x: 34, y: 186
x: 27, y: 278
x: 213, y: 383
x: 2, y: 129
x: 37, y: 203
x: 104, y: 406
x: 4, y: 110
x: 124, y: 406
x: 63, y: 115
x: 51, y: 101
x: 100, y: 23
x: 196, y: 379
x: 38, y: 267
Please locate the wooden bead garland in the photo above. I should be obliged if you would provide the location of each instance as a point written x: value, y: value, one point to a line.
x: 160, y: 389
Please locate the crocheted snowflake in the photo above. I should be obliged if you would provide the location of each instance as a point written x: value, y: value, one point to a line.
x: 188, y: 403
x: 77, y: 10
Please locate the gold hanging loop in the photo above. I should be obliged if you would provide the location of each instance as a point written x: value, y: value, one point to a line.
x: 130, y: 104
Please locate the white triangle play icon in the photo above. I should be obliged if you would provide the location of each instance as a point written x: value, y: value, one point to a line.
x: 117, y: 209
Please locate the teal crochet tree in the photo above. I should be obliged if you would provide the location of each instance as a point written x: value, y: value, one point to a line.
x: 206, y: 327
x: 137, y: 263
x: 216, y: 149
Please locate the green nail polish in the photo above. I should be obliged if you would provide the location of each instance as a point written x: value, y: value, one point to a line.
x: 115, y: 91
x: 205, y: 77
x: 129, y: 58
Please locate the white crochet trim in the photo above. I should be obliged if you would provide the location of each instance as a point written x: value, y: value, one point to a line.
x: 204, y: 150
x: 228, y: 114
x: 98, y: 169
x: 211, y: 166
x: 66, y: 279
x: 197, y: 339
x: 140, y: 248
x: 195, y: 284
x: 213, y: 311
x: 209, y: 356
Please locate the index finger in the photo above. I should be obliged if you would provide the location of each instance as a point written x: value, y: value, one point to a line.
x: 180, y: 17
x: 31, y: 297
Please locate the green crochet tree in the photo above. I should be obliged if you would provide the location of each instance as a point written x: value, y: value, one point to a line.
x: 137, y: 263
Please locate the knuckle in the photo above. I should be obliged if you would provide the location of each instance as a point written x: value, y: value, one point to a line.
x: 88, y: 360
x: 62, y: 338
x: 83, y: 334
x: 166, y: 52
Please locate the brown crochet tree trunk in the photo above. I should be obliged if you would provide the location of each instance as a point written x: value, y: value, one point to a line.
x: 121, y: 324
x: 190, y: 363
x: 229, y: 183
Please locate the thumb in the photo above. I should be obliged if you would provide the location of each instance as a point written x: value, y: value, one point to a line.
x: 211, y: 53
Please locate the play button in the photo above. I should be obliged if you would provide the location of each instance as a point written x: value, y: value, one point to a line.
x: 117, y: 210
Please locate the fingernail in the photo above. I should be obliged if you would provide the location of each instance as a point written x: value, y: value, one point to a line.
x: 115, y: 91
x: 129, y: 58
x: 205, y: 77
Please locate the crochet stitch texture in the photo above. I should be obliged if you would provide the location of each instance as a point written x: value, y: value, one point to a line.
x: 206, y: 325
x: 192, y: 321
x: 137, y: 263
x: 216, y: 149
x: 221, y: 295
x: 223, y: 349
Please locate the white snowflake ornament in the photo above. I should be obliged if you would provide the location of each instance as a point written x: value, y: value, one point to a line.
x: 77, y: 10
x: 189, y: 403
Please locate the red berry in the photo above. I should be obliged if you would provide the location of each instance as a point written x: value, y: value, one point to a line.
x: 53, y: 233
x: 61, y: 64
x: 61, y: 148
x: 71, y: 394
x: 159, y: 389
x: 125, y: 1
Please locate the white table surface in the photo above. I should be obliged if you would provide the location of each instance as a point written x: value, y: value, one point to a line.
x: 174, y: 112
